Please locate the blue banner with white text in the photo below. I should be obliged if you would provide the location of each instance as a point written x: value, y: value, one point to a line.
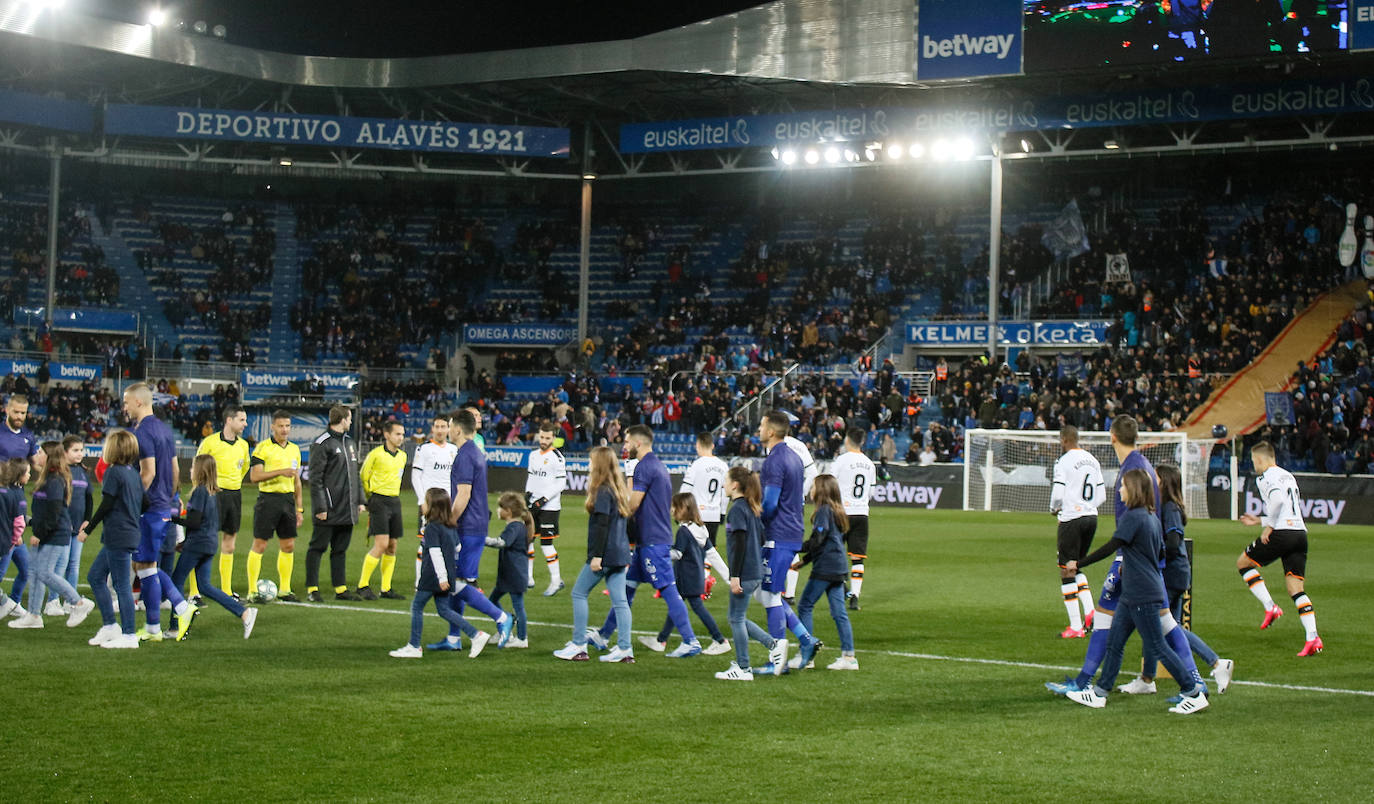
x: 967, y: 38
x: 1009, y: 333
x: 533, y: 334
x: 1362, y: 27
x: 327, y: 384
x: 287, y: 128
x: 59, y: 372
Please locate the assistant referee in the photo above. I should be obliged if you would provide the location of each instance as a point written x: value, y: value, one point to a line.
x: 230, y: 451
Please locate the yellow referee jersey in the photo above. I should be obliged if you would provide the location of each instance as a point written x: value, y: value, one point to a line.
x: 273, y: 457
x: 231, y: 459
x: 383, y: 471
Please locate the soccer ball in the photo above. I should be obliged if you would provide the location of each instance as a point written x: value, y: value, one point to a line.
x: 267, y: 590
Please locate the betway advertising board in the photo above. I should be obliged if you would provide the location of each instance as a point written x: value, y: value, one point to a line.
x: 967, y: 38
x: 64, y: 372
x: 257, y: 384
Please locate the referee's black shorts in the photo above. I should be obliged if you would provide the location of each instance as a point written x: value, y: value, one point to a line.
x: 274, y: 512
x: 1075, y: 537
x: 384, y: 516
x: 231, y: 510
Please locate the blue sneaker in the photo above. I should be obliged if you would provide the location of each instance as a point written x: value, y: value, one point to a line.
x: 1173, y: 699
x: 503, y: 631
x: 685, y: 650
x: 808, y: 650
x: 444, y: 644
x: 771, y: 669
x: 1069, y: 685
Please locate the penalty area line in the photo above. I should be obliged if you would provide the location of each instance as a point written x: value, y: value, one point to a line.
x: 932, y: 657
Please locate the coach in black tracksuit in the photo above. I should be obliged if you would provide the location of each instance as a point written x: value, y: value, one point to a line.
x: 336, y: 497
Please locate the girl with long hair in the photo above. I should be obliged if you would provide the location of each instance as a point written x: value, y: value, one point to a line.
x: 608, y: 553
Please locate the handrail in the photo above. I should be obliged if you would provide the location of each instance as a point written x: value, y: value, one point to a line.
x: 757, y: 399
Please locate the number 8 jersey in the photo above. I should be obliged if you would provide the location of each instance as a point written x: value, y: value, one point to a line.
x: 856, y: 475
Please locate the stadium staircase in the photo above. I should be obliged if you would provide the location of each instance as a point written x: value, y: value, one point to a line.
x: 1239, y: 402
x: 284, y: 344
x: 133, y: 285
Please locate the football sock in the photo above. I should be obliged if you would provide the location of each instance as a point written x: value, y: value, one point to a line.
x: 1179, y: 642
x: 388, y: 571
x: 1255, y: 581
x: 192, y: 588
x: 792, y: 576
x: 777, y: 622
x: 551, y: 558
x: 285, y: 563
x: 1069, y: 589
x: 254, y: 570
x: 856, y: 578
x: 529, y: 553
x: 469, y: 595
x: 1097, y: 648
x: 1306, y: 615
x: 370, y: 563
x: 170, y: 590
x: 677, y: 610
x: 226, y: 572
x: 151, y: 595
x: 1085, y: 593
x: 716, y: 563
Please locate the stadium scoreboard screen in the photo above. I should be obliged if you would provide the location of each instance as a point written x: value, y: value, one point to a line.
x: 1068, y: 35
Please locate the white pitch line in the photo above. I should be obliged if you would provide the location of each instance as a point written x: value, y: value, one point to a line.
x: 897, y: 653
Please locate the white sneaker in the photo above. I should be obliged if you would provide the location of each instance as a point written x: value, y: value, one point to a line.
x: 777, y: 655
x: 121, y: 641
x: 794, y: 663
x: 28, y: 621
x: 1190, y: 704
x: 735, y: 674
x: 166, y: 605
x: 717, y: 648
x: 250, y: 618
x: 1138, y: 686
x: 619, y: 656
x: 572, y: 652
x: 478, y: 642
x: 653, y: 644
x: 407, y: 651
x: 54, y: 608
x: 515, y: 642
x: 105, y: 634
x: 595, y: 638
x: 554, y: 588
x: 1223, y: 671
x: 1088, y: 698
x: 844, y: 663
x: 8, y: 606
x: 80, y: 612
x: 18, y: 611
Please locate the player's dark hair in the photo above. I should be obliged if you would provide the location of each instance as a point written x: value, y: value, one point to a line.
x: 749, y: 488
x: 1068, y: 435
x: 705, y: 439
x: 56, y: 465
x: 778, y: 423
x: 465, y: 422
x: 18, y: 399
x: 280, y: 414
x: 231, y: 410
x: 439, y: 508
x: 548, y: 427
x: 825, y: 493
x: 641, y: 431
x: 1171, y: 488
x: 1137, y: 491
x: 1125, y: 429
x: 685, y: 508
x: 513, y: 503
x: 337, y: 414
x: 856, y: 437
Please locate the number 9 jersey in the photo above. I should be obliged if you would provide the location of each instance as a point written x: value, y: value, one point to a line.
x: 856, y: 475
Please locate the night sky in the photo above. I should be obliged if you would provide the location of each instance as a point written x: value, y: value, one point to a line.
x: 419, y: 27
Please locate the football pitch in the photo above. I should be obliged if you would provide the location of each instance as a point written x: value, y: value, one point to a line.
x: 957, y: 634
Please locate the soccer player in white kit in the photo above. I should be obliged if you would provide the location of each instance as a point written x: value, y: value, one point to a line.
x: 1283, y: 538
x: 546, y: 478
x: 429, y: 469
x: 705, y: 480
x: 1075, y: 495
x: 809, y: 473
x: 856, y: 475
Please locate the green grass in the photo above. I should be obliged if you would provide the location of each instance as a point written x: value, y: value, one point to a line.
x: 312, y: 708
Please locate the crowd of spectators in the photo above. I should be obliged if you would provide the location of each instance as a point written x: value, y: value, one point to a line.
x: 86, y: 281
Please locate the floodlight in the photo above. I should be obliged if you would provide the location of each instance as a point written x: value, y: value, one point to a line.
x: 789, y: 157
x: 812, y: 156
x: 157, y: 17
x: 832, y: 154
x: 894, y: 150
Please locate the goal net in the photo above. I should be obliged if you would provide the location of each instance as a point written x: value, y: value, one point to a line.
x: 1011, y: 470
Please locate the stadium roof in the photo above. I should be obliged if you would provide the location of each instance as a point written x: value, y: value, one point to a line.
x: 780, y: 57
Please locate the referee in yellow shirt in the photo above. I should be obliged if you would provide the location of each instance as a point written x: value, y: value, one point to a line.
x: 382, y: 471
x: 230, y: 450
x: 276, y: 468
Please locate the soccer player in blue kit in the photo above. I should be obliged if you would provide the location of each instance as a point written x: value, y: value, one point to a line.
x: 783, y: 479
x: 650, y: 506
x: 468, y: 490
x: 157, y: 468
x: 1123, y: 433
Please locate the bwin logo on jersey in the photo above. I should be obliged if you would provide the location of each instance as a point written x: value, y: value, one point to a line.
x: 966, y: 45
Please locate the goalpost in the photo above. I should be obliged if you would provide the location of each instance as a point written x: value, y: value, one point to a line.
x: 1011, y: 470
